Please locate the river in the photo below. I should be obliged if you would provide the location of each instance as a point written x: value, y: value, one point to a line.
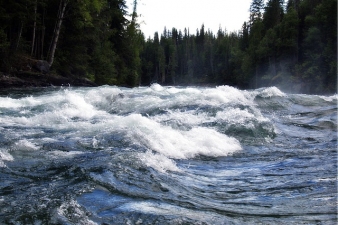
x: 167, y: 155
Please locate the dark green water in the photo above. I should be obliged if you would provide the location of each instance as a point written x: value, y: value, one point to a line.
x: 167, y: 155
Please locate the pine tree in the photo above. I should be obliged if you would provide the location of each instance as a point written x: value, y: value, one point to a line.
x: 57, y: 29
x: 273, y: 13
x: 256, y: 8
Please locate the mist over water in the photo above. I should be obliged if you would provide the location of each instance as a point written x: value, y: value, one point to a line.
x: 167, y: 155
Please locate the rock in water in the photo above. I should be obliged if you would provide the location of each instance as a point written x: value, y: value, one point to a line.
x: 42, y: 66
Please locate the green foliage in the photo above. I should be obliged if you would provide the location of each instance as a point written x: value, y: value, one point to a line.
x: 96, y: 39
x: 273, y: 14
x: 289, y: 45
x: 102, y: 65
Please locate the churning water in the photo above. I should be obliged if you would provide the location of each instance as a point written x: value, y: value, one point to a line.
x: 167, y: 155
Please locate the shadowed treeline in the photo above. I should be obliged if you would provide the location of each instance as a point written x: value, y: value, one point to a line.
x: 91, y: 39
x: 292, y: 45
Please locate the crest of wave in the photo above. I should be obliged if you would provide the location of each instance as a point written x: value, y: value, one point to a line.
x: 165, y: 143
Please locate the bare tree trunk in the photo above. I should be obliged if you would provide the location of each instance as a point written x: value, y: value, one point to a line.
x: 61, y: 12
x: 37, y: 51
x: 42, y: 40
x: 34, y: 27
x: 19, y: 36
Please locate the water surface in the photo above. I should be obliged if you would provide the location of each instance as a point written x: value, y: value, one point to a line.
x: 167, y: 155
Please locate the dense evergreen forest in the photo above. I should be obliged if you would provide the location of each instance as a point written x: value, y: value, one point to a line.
x: 291, y: 45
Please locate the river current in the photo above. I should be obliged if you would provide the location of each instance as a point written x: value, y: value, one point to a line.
x: 167, y: 155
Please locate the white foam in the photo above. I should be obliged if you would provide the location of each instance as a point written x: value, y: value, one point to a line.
x: 235, y: 115
x: 2, y: 164
x: 5, y: 156
x: 215, y: 97
x: 158, y: 97
x: 226, y: 94
x: 207, y: 96
x: 330, y: 98
x: 71, y: 213
x: 87, y: 112
x: 270, y: 92
x: 103, y: 96
x: 62, y: 154
x: 25, y: 145
x: 240, y: 117
x: 157, y: 161
x: 78, y: 106
x: 185, y: 91
x: 95, y: 142
x: 17, y: 103
x: 9, y: 103
x: 59, y: 111
x: 179, y: 144
x: 48, y: 140
x: 157, y: 87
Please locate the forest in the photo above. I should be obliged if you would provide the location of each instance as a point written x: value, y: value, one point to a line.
x: 291, y: 45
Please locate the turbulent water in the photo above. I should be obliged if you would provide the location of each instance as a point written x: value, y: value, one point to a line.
x: 167, y: 155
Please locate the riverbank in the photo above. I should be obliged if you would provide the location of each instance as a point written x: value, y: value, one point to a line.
x: 36, y: 79
x: 26, y: 71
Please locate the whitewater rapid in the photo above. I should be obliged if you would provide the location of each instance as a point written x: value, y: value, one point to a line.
x: 175, y: 134
x: 168, y: 155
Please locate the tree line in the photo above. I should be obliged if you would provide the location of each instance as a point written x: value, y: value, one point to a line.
x: 94, y: 39
x: 292, y: 45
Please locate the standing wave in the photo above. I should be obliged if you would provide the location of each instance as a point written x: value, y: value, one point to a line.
x: 167, y: 155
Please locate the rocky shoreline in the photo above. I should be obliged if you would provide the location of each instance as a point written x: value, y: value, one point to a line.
x: 33, y: 79
x: 27, y: 72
